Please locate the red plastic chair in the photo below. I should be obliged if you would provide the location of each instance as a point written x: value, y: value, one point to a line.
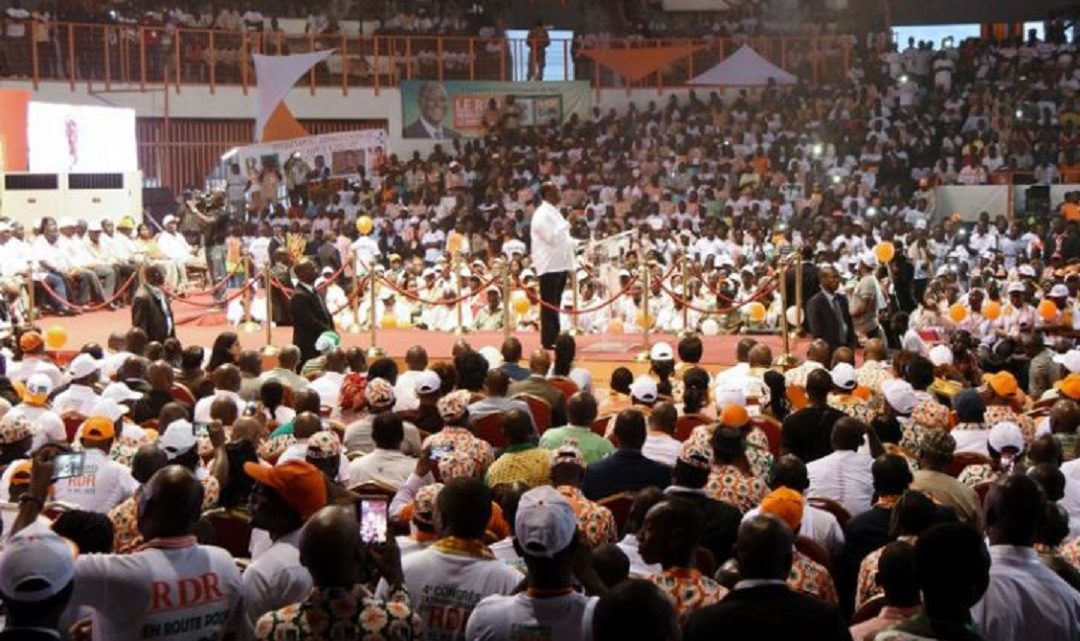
x: 371, y: 488
x: 620, y: 505
x: 684, y: 425
x: 771, y: 427
x: 564, y: 385
x: 182, y: 394
x: 72, y: 421
x: 490, y: 429
x: 599, y: 426
x: 869, y: 610
x: 814, y: 551
x: 540, y: 410
x: 232, y: 530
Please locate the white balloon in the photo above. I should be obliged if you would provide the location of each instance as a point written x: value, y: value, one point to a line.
x: 792, y: 314
x: 710, y: 327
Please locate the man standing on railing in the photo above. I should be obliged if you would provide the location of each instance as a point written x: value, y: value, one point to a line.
x: 552, y: 257
x: 538, y: 43
x: 215, y: 224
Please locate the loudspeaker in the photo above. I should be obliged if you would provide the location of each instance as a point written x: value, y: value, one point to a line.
x: 158, y: 202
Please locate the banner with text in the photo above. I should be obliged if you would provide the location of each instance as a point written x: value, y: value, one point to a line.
x: 336, y: 154
x: 463, y: 109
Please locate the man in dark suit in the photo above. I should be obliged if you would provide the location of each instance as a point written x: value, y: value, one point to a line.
x: 761, y: 606
x: 308, y: 310
x: 627, y: 469
x: 537, y: 385
x: 433, y: 102
x: 720, y: 520
x: 807, y: 433
x: 827, y: 312
x: 150, y: 309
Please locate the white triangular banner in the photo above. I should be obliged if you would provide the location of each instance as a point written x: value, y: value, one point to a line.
x: 275, y: 76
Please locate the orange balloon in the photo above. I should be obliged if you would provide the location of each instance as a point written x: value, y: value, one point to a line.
x: 885, y: 251
x: 56, y: 337
x: 991, y: 310
x: 958, y: 312
x: 389, y: 321
x: 615, y: 326
x: 756, y: 311
x: 521, y: 303
x: 1047, y: 309
x: 644, y: 321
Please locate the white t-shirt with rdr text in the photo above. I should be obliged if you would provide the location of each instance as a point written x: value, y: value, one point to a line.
x: 525, y: 618
x: 444, y: 589
x: 188, y: 593
x: 103, y: 485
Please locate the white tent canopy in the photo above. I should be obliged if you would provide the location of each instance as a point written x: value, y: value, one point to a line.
x: 745, y: 68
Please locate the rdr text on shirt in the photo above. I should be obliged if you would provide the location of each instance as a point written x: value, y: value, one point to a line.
x: 445, y: 610
x: 187, y: 609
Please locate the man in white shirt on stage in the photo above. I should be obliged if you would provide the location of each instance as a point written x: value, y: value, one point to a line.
x: 552, y: 257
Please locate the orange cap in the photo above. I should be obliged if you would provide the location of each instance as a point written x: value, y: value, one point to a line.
x: 299, y: 483
x: 1003, y: 384
x: 20, y: 473
x: 30, y: 341
x: 1070, y: 387
x: 785, y: 504
x: 734, y: 416
x: 98, y: 428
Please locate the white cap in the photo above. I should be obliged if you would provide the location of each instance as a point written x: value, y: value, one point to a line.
x: 492, y: 355
x: 868, y: 258
x: 941, y: 355
x: 83, y: 365
x: 545, y: 523
x: 1006, y: 434
x: 899, y: 394
x: 386, y: 294
x: 179, y: 437
x: 920, y: 224
x: 1070, y: 359
x: 39, y: 384
x: 843, y: 376
x: 1027, y: 270
x: 5, y: 225
x: 427, y: 382
x: 624, y: 273
x: 94, y: 225
x: 428, y: 271
x: 36, y: 564
x: 120, y: 392
x: 65, y: 222
x: 1059, y: 291
x: 527, y: 273
x: 729, y: 391
x: 661, y: 352
x: 107, y: 408
x: 168, y: 219
x: 644, y: 388
x: 1016, y: 286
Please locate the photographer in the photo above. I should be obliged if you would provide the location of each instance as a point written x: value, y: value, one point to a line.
x: 215, y: 229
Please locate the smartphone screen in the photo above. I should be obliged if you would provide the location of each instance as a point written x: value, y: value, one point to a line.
x: 68, y: 465
x: 373, y: 520
x: 200, y: 429
x: 441, y: 452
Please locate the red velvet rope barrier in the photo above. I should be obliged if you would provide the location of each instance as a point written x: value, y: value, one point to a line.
x: 761, y: 293
x: 454, y: 301
x: 712, y: 290
x: 88, y: 308
x: 228, y: 299
x: 609, y: 301
x: 288, y: 291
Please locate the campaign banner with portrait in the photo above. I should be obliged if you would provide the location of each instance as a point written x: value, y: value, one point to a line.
x: 462, y: 109
x: 336, y: 154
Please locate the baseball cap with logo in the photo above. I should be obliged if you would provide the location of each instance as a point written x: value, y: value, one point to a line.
x: 1016, y: 287
x: 120, y: 392
x: 38, y: 388
x: 644, y: 388
x: 1006, y: 434
x: 843, y: 376
x: 179, y: 438
x: 20, y: 472
x: 36, y: 564
x: 1070, y: 360
x: 427, y: 382
x: 98, y: 428
x: 661, y: 352
x: 1059, y: 291
x: 545, y: 523
x: 83, y: 365
x: 299, y: 483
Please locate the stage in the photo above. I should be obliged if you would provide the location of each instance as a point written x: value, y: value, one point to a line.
x: 601, y: 353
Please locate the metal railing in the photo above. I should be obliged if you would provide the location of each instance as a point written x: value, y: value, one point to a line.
x: 104, y: 55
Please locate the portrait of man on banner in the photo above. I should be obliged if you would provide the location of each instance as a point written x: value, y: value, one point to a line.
x: 434, y: 105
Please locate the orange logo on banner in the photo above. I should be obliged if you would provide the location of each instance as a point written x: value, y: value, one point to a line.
x: 282, y: 125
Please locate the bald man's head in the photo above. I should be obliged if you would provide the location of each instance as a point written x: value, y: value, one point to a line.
x: 169, y: 503
x: 875, y: 350
x: 818, y: 351
x: 330, y: 548
x: 760, y: 355
x: 539, y: 363
x: 1064, y: 417
x: 306, y: 424
x: 764, y: 548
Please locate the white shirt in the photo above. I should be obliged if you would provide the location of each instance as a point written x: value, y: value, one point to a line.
x: 638, y: 567
x: 275, y: 579
x: 329, y: 388
x: 103, y: 485
x: 450, y: 585
x: 817, y: 525
x: 21, y: 370
x: 566, y: 618
x: 973, y: 441
x: 385, y: 467
x: 405, y: 391
x: 202, y: 406
x: 552, y: 246
x: 843, y: 476
x: 159, y: 590
x: 661, y: 448
x: 45, y: 423
x: 1026, y: 599
x: 79, y: 399
x: 174, y: 245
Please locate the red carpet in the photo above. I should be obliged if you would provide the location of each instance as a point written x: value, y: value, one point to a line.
x: 199, y: 325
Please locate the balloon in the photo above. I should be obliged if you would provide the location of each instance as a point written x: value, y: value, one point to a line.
x: 644, y: 321
x: 615, y: 326
x: 884, y: 251
x: 793, y: 314
x: 1047, y: 309
x: 521, y: 302
x: 710, y: 327
x: 991, y: 310
x: 389, y: 321
x: 364, y: 225
x: 958, y: 312
x: 56, y: 336
x: 756, y: 311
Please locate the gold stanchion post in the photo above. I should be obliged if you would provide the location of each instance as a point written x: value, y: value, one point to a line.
x: 455, y: 264
x: 645, y: 320
x: 798, y: 292
x: 785, y: 360
x: 506, y: 298
x: 686, y: 331
x: 354, y: 303
x: 374, y: 351
x: 249, y: 325
x: 269, y: 349
x: 574, y: 330
x: 30, y: 297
